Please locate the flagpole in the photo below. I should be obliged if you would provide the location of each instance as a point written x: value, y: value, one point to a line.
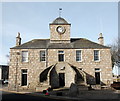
x: 60, y: 9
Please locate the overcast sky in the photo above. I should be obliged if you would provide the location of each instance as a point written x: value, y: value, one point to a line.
x: 32, y: 19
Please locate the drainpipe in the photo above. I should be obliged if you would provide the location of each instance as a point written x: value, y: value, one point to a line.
x: 16, y: 76
x: 46, y: 57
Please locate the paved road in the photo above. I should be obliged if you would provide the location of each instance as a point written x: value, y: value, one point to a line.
x: 23, y: 97
x: 6, y: 96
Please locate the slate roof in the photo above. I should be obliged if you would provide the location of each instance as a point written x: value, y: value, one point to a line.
x: 76, y: 43
x: 59, y: 21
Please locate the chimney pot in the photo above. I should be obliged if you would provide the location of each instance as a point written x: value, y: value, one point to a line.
x: 101, y: 39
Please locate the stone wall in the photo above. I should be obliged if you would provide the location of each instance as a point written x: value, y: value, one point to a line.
x: 35, y: 67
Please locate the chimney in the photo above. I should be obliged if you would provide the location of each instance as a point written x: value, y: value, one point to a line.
x: 18, y: 40
x: 101, y: 39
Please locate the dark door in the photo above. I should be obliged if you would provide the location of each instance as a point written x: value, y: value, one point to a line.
x: 61, y: 79
x: 24, y: 77
x: 97, y: 77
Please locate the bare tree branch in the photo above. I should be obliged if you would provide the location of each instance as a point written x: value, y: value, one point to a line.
x: 115, y: 52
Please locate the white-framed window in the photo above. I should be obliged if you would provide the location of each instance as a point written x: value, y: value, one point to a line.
x: 78, y: 55
x: 60, y: 56
x: 96, y: 55
x: 42, y: 56
x: 24, y: 56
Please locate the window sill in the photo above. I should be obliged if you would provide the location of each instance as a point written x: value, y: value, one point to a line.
x: 79, y: 61
x: 24, y: 86
x: 42, y: 61
x: 24, y: 62
x: 97, y: 61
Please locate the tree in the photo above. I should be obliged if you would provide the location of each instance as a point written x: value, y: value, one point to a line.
x: 115, y: 52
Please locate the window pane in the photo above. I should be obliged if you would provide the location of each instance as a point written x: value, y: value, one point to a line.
x: 24, y: 56
x: 60, y: 51
x: 78, y: 55
x: 97, y: 69
x: 24, y: 71
x: 96, y: 55
x: 42, y: 56
x: 61, y: 57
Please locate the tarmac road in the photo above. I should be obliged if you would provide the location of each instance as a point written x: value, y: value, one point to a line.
x: 8, y: 96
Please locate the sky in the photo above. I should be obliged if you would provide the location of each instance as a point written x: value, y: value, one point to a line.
x: 32, y: 19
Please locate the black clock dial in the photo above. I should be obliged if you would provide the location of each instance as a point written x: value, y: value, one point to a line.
x: 60, y: 29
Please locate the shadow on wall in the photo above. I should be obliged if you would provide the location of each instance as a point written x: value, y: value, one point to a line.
x: 43, y: 75
x: 79, y: 78
x: 54, y: 79
x: 91, y: 80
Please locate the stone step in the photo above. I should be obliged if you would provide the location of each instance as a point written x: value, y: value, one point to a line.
x: 20, y: 89
x: 96, y: 87
x: 41, y: 88
x: 82, y: 87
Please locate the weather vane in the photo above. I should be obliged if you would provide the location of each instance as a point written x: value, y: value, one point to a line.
x: 60, y: 9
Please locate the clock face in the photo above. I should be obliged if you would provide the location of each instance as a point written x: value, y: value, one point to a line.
x: 60, y: 29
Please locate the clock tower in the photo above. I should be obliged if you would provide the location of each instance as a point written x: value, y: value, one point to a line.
x: 59, y: 31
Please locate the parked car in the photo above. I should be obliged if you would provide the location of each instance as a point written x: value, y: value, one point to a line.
x: 116, y: 85
x: 5, y: 81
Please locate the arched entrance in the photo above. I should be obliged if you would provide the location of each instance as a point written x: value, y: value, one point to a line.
x: 57, y: 76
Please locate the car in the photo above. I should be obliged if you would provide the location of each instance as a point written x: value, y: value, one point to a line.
x: 5, y: 81
x: 116, y: 85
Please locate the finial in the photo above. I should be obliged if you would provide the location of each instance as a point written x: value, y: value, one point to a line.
x: 60, y: 9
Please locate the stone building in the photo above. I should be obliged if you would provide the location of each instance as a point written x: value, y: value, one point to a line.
x: 59, y: 61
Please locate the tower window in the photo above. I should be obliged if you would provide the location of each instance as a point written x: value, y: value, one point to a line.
x: 96, y: 55
x: 60, y: 56
x: 24, y: 56
x: 42, y: 56
x: 78, y: 55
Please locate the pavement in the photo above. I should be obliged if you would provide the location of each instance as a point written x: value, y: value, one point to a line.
x: 5, y: 89
x: 92, y: 94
